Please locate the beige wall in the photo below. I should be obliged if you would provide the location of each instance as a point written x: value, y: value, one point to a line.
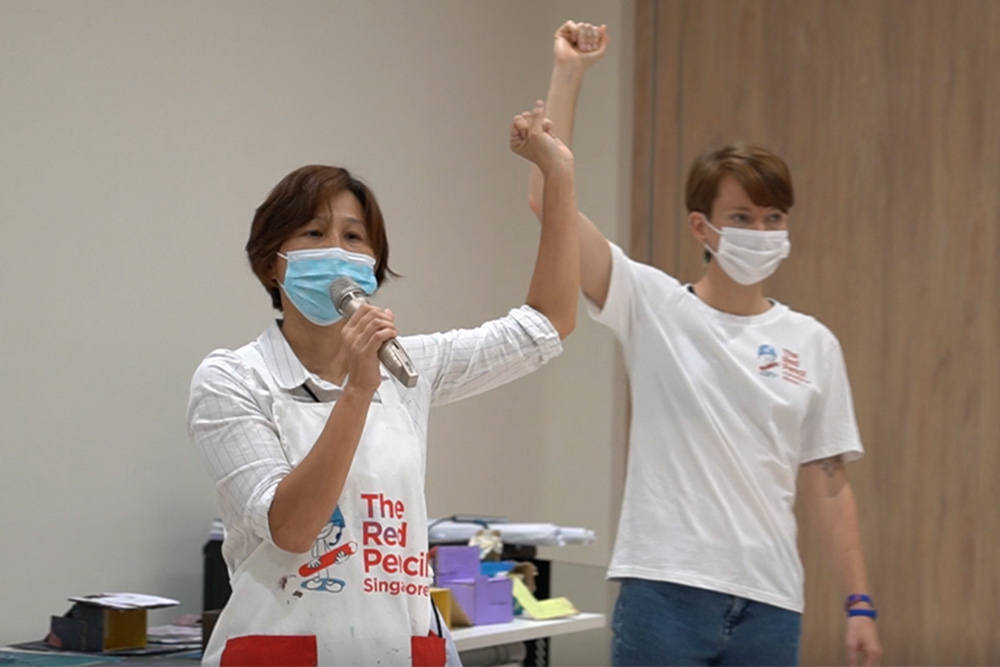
x: 888, y: 113
x: 136, y: 139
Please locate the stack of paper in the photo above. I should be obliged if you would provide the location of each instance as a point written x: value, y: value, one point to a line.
x: 536, y: 534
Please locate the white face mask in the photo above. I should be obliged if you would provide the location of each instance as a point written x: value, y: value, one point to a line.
x: 749, y: 256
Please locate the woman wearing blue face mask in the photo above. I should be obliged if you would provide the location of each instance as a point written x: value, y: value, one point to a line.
x: 318, y: 454
x: 738, y: 403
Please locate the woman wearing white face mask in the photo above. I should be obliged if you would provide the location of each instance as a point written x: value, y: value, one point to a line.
x: 318, y: 454
x: 735, y: 398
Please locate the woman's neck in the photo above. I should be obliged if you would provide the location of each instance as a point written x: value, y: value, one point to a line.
x: 724, y: 294
x: 320, y: 349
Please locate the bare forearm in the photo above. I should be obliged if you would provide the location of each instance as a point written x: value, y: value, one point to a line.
x: 560, y: 107
x: 834, y: 512
x: 306, y: 497
x: 837, y: 521
x: 555, y: 281
x: 595, y: 257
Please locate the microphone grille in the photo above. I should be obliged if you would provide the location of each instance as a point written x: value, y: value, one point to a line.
x: 342, y: 288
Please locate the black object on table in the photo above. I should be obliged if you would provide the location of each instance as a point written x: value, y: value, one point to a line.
x: 215, y: 586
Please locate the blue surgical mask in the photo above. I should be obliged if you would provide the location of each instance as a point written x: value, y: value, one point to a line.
x: 310, y: 273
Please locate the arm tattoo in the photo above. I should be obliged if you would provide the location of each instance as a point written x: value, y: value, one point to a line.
x: 831, y: 465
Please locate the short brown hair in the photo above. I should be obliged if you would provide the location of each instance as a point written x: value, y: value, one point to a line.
x: 763, y: 175
x: 293, y: 203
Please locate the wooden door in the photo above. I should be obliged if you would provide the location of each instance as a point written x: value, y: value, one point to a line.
x: 888, y: 113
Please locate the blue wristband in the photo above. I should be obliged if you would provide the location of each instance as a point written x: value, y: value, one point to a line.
x: 870, y: 613
x: 856, y: 598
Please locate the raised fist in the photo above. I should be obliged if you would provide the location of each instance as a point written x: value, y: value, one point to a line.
x: 582, y: 43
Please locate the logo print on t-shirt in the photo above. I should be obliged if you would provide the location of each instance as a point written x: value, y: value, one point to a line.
x: 767, y: 361
x: 787, y: 366
x: 790, y: 368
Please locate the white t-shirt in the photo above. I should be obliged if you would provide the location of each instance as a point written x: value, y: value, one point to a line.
x: 725, y: 409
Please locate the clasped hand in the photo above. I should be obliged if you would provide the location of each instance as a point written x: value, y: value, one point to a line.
x: 531, y: 137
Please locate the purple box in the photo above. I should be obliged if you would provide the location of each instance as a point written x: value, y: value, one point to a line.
x: 498, y: 606
x: 455, y: 562
x: 484, y: 600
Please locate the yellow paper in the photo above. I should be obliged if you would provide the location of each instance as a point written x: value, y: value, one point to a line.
x: 541, y: 610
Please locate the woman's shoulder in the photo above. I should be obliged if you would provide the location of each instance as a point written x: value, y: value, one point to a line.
x: 231, y: 369
x: 222, y: 362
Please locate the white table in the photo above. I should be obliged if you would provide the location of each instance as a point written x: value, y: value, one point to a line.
x: 522, y: 629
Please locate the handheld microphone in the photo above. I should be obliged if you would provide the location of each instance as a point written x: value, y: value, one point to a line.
x: 348, y: 297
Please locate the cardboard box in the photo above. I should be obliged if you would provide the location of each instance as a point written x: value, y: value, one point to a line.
x: 104, y: 622
x: 455, y: 562
x: 484, y: 600
x: 452, y: 615
x: 481, y: 599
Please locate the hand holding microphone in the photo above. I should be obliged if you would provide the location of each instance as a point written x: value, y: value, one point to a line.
x: 348, y: 297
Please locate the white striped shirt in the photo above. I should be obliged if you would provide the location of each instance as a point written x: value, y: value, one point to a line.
x: 231, y: 418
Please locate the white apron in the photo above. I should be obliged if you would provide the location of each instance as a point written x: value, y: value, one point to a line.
x: 361, y: 596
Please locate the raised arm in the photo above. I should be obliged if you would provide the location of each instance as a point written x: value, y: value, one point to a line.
x: 556, y: 278
x: 577, y: 47
x: 831, y: 507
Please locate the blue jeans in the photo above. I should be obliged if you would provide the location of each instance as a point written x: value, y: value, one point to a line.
x: 659, y: 623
